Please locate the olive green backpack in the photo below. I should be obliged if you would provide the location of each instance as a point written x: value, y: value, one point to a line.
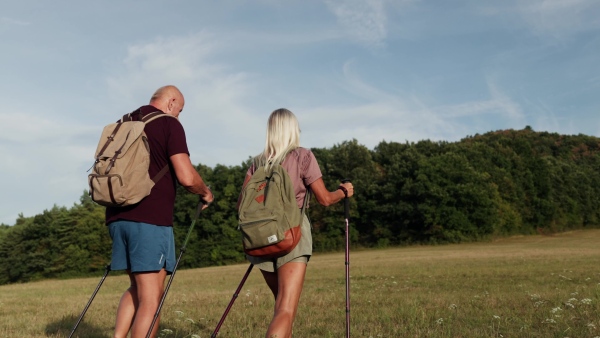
x: 269, y: 217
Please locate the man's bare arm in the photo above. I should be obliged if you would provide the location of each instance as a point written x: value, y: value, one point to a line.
x: 189, y: 178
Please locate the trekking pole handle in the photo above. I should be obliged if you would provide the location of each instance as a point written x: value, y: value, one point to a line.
x: 346, y: 200
x: 202, y: 202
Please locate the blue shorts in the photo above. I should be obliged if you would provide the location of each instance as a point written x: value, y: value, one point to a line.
x: 141, y: 247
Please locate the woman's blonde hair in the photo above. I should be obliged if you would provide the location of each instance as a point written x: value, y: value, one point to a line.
x: 283, y: 136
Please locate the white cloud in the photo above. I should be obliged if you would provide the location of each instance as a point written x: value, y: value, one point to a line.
x: 404, y: 116
x: 4, y: 21
x: 557, y: 19
x: 499, y: 103
x: 41, y: 158
x: 364, y: 21
x: 173, y: 60
x: 215, y: 116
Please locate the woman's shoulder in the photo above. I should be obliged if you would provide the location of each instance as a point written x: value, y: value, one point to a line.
x: 303, y: 152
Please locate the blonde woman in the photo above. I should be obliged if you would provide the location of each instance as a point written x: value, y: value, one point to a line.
x: 285, y: 275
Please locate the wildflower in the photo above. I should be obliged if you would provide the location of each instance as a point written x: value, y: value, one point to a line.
x: 440, y: 321
x: 549, y: 321
x: 567, y: 304
x: 496, y: 317
x: 591, y: 326
x: 556, y: 309
x: 452, y: 307
x: 538, y: 303
x: 586, y: 301
x: 534, y: 296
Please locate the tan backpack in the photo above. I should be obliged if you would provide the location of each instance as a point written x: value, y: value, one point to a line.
x: 120, y: 173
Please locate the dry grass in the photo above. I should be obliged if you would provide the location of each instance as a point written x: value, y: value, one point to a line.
x: 535, y: 286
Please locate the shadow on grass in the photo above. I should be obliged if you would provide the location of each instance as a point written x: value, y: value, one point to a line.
x: 196, y: 330
x: 63, y: 327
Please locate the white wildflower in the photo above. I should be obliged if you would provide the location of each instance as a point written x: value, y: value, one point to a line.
x: 440, y: 321
x: 586, y: 301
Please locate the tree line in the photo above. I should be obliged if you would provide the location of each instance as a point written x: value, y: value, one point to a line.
x: 501, y: 183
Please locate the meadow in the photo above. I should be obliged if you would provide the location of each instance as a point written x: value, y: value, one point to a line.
x: 527, y: 286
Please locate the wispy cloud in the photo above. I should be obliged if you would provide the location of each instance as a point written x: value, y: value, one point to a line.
x: 162, y: 61
x: 215, y: 112
x: 42, y: 157
x: 397, y: 116
x: 4, y: 21
x: 560, y: 18
x: 557, y: 19
x: 364, y: 21
x: 499, y: 103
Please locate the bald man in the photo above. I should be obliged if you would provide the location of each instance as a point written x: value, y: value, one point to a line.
x: 142, y: 234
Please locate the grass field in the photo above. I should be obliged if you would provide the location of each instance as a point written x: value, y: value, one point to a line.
x: 534, y: 286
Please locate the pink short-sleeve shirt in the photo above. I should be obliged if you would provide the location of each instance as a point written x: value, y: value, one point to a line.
x: 303, y: 168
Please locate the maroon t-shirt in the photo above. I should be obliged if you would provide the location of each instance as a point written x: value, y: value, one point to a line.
x: 166, y: 137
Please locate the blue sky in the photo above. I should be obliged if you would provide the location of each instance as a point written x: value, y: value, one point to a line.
x: 369, y: 70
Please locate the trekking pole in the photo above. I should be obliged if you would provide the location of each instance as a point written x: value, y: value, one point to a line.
x: 181, y: 251
x: 235, y: 295
x: 347, y: 216
x: 90, y: 301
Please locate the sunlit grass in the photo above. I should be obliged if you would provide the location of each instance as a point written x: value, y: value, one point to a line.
x: 536, y: 286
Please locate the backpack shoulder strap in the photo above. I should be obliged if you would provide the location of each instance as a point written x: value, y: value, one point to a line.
x: 129, y: 117
x: 147, y: 119
x: 306, y: 198
x: 160, y: 174
x: 153, y: 116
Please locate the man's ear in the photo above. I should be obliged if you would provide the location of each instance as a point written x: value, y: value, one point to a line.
x: 170, y: 105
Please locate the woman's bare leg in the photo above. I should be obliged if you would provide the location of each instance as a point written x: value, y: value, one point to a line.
x: 286, y: 285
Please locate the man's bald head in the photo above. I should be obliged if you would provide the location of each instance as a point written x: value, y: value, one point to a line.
x: 168, y: 99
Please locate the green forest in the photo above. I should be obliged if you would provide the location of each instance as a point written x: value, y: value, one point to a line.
x: 502, y: 183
